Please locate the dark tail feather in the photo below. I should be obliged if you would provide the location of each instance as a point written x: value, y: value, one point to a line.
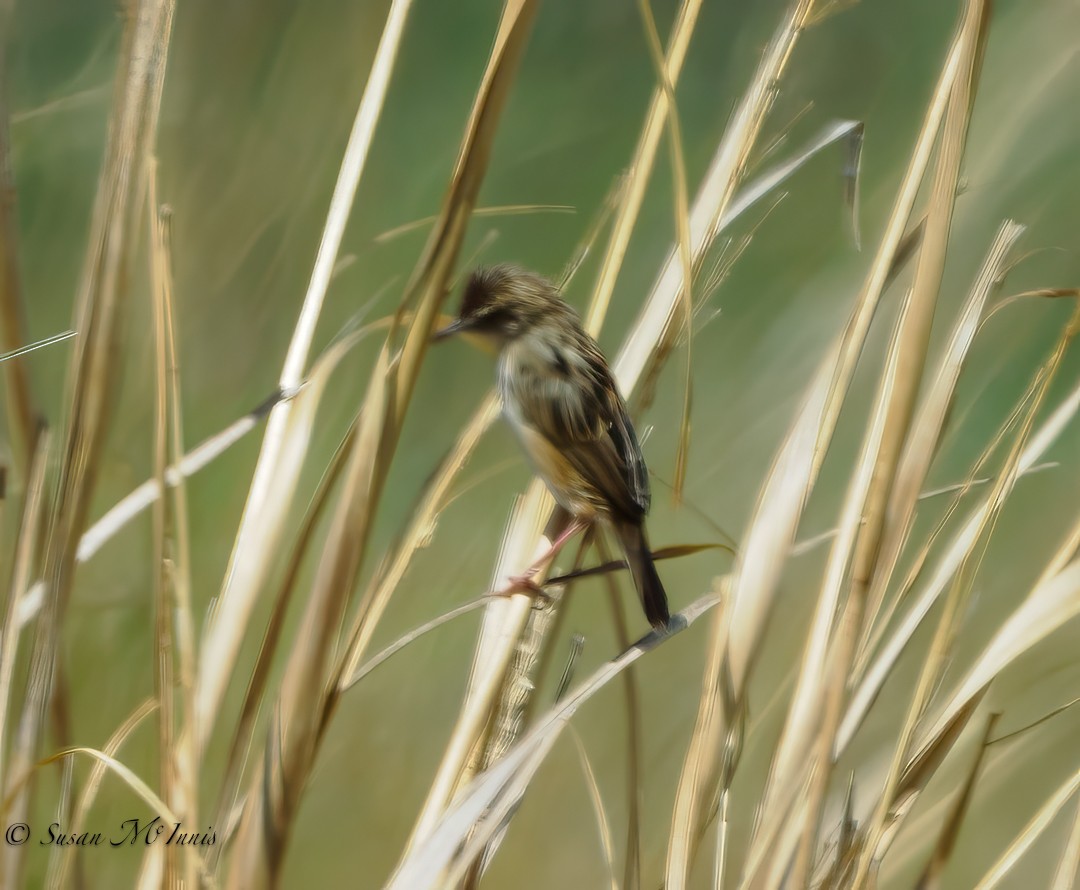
x: 643, y: 570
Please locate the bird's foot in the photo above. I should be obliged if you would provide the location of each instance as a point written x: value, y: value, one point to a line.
x: 526, y: 584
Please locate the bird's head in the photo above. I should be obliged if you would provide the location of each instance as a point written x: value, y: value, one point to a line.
x: 500, y: 303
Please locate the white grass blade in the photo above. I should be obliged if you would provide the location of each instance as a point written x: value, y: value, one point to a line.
x: 33, y: 347
x: 143, y: 496
x: 445, y: 853
x: 892, y: 806
x: 946, y: 568
x: 603, y: 824
x: 1048, y: 607
x: 782, y: 504
x: 766, y: 184
x: 1068, y: 870
x: 1031, y: 832
x: 641, y: 166
x: 921, y: 445
x: 818, y: 417
x: 478, y: 213
x: 285, y: 443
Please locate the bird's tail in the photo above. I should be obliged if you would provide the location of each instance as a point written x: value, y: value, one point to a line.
x: 643, y: 570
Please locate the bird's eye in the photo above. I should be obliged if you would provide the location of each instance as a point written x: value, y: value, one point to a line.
x: 500, y: 319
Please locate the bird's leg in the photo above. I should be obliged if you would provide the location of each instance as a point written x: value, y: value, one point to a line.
x: 573, y: 528
x: 526, y: 583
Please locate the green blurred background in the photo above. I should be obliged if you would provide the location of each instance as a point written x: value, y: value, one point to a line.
x: 258, y: 102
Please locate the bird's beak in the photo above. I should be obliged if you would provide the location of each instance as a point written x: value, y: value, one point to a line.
x: 457, y: 326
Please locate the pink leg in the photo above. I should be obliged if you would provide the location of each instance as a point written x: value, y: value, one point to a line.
x: 524, y: 583
x: 567, y: 533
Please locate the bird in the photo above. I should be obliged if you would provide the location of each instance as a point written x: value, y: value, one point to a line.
x: 561, y: 400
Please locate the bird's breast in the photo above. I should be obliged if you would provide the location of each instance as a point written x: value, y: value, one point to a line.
x: 518, y: 386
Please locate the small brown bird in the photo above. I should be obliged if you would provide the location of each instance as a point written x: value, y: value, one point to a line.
x: 562, y: 402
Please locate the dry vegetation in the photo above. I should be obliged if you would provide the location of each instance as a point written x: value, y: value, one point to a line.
x: 882, y: 582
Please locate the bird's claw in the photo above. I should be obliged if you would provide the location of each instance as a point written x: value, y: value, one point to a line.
x: 526, y: 584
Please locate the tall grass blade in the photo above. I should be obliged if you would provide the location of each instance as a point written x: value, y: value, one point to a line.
x: 1030, y: 833
x: 1068, y: 869
x: 823, y: 669
x: 945, y: 632
x: 26, y: 548
x: 275, y: 794
x: 949, y: 563
x: 446, y: 853
x: 927, y: 428
x: 931, y: 877
x: 23, y: 411
x: 91, y: 373
x: 285, y: 441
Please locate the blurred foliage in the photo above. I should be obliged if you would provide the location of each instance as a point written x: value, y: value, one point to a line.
x: 259, y: 98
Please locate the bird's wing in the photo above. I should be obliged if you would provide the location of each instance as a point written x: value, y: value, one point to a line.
x: 574, y: 403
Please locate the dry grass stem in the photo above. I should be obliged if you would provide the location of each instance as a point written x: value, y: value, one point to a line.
x: 642, y: 163
x: 163, y: 599
x: 865, y: 683
x: 62, y: 860
x: 26, y: 546
x: 682, y: 229
x: 603, y: 824
x: 802, y: 726
x: 1068, y: 869
x: 102, y: 295
x: 23, y: 412
x: 478, y: 213
x: 1049, y: 605
x: 309, y: 686
x: 481, y: 807
x: 872, y: 492
x: 947, y: 566
x: 285, y: 442
x: 931, y: 877
x: 946, y: 629
x: 929, y: 424
x: 1030, y: 833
